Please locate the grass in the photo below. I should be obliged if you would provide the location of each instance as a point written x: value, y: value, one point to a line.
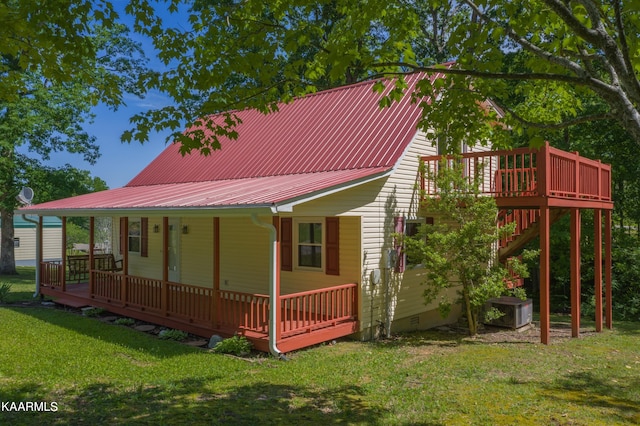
x: 99, y: 373
x: 22, y: 285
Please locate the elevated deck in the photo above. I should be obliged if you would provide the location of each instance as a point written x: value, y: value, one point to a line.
x: 531, y: 178
x: 534, y: 188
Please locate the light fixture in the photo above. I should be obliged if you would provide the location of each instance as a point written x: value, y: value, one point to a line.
x: 185, y: 229
x: 156, y: 229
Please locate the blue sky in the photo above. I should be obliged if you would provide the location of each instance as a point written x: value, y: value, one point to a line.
x: 120, y: 162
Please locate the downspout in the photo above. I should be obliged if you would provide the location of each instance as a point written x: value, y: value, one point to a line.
x: 273, y: 291
x: 38, y: 252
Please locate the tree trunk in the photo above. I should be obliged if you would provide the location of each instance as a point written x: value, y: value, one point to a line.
x: 472, y: 321
x: 7, y: 255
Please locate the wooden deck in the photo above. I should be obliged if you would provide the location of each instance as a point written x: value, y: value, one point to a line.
x: 528, y: 178
x: 533, y: 188
x: 307, y: 318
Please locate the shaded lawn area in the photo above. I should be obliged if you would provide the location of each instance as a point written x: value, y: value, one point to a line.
x: 100, y: 373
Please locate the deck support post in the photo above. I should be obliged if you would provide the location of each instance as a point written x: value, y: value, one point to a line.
x: 544, y: 274
x: 607, y: 269
x: 597, y: 265
x: 575, y: 272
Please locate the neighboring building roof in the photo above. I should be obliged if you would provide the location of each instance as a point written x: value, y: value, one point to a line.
x: 47, y: 221
x: 317, y: 143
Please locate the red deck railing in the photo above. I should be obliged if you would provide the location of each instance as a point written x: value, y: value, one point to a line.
x: 51, y: 273
x: 301, y: 312
x: 526, y: 172
x: 309, y: 310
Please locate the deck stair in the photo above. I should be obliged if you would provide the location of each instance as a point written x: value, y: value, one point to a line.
x: 527, y: 228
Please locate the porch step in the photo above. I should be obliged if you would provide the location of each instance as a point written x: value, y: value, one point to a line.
x: 71, y: 302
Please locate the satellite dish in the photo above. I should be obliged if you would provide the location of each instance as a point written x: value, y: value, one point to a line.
x: 25, y: 196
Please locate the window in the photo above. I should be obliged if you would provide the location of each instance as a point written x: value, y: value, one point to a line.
x: 134, y: 235
x: 310, y: 244
x: 412, y: 228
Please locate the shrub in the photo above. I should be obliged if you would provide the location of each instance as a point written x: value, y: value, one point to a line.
x: 172, y: 335
x: 236, y: 345
x: 125, y: 321
x: 92, y: 312
x: 5, y: 289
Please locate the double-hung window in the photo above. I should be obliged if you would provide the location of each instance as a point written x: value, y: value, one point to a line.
x: 134, y: 235
x: 310, y: 242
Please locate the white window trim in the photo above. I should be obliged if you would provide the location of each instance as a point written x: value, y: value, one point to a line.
x: 296, y: 263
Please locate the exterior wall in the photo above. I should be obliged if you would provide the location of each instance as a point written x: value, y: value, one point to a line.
x: 196, y: 251
x: 393, y: 299
x: 25, y: 231
x: 196, y: 247
x: 299, y: 280
x: 244, y: 255
x: 51, y: 241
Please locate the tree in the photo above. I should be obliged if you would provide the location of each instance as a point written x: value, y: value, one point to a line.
x: 54, y: 66
x: 251, y: 54
x: 456, y: 251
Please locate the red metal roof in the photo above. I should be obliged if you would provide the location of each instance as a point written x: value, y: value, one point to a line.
x: 338, y: 129
x: 265, y: 191
x: 318, y: 142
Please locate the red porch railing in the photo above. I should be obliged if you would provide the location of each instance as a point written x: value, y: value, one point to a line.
x: 51, y: 273
x: 243, y: 311
x: 525, y: 172
x: 301, y: 312
x: 184, y: 301
x: 309, y: 310
x: 227, y: 311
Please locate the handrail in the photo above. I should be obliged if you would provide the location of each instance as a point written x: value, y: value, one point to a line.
x: 526, y: 172
x: 301, y: 312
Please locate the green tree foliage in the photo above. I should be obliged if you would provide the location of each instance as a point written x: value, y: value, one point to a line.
x: 55, y: 64
x: 250, y: 54
x: 456, y: 251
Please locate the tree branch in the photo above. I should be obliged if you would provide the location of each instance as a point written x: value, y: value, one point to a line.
x: 482, y: 74
x: 556, y: 126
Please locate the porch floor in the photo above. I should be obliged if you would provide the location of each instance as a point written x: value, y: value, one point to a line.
x: 77, y: 295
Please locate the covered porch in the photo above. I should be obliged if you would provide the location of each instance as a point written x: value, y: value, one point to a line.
x: 289, y: 321
x: 534, y: 188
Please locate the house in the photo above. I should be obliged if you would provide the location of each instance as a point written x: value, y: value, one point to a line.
x: 285, y: 235
x: 25, y: 239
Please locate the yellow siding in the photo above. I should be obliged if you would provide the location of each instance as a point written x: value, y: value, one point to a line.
x: 303, y: 280
x: 244, y: 255
x: 395, y: 296
x: 196, y: 267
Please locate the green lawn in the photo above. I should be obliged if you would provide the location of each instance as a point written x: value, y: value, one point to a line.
x: 100, y: 373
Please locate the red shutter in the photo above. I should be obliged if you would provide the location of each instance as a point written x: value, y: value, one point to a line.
x: 399, y: 229
x: 332, y: 241
x: 286, y: 244
x: 144, y: 237
x: 123, y: 235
